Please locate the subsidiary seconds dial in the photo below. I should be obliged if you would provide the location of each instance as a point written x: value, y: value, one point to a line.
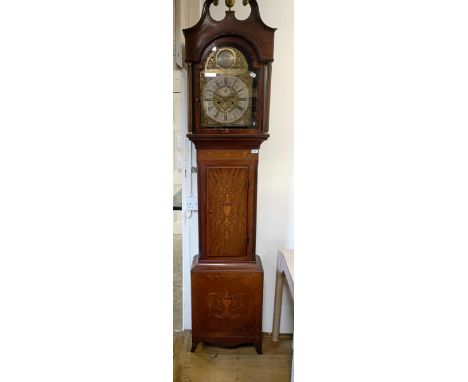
x: 225, y: 98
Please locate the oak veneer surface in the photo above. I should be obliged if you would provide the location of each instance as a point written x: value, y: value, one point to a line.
x: 227, y: 276
x: 227, y: 303
x: 252, y: 29
x: 242, y: 363
x: 227, y: 203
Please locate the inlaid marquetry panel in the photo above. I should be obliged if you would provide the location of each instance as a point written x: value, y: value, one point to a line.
x: 226, y: 155
x: 227, y: 302
x: 227, y: 203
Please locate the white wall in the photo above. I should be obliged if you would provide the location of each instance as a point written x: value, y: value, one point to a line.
x: 189, y: 14
x: 275, y: 176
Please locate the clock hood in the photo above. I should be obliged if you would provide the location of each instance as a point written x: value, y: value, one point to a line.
x: 252, y: 30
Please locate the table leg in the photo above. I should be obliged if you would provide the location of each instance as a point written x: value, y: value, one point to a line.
x: 277, y: 307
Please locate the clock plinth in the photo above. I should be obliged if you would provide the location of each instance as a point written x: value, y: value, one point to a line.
x: 227, y: 303
x: 229, y: 71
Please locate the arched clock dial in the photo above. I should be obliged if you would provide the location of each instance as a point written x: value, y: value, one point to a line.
x: 225, y: 98
x: 227, y: 89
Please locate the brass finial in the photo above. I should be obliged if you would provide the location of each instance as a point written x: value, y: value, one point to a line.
x: 245, y: 2
x: 230, y: 3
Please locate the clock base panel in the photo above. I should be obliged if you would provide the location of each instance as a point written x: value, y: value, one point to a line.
x: 227, y: 302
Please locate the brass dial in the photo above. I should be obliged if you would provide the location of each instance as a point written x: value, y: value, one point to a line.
x: 225, y: 98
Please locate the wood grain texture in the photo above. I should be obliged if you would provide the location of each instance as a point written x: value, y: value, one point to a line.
x: 227, y: 141
x: 180, y: 348
x: 227, y: 276
x: 227, y: 303
x: 210, y: 363
x: 227, y: 203
x: 255, y: 41
x: 177, y: 284
x: 222, y: 154
x: 253, y: 30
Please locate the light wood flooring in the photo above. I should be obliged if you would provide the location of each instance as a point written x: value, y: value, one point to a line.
x: 177, y: 283
x: 240, y: 364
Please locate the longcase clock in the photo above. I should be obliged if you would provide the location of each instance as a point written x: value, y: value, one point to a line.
x: 229, y: 72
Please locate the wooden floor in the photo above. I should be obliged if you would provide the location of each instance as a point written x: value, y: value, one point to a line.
x: 177, y: 283
x: 241, y: 364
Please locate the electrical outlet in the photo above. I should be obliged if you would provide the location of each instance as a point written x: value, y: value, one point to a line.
x: 192, y: 204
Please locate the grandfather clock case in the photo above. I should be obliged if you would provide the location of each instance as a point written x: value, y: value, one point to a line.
x: 229, y: 73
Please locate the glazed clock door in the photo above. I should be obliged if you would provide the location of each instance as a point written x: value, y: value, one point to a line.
x: 226, y: 89
x: 226, y: 101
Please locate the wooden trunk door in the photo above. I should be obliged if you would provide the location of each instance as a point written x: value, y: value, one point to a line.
x: 227, y: 203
